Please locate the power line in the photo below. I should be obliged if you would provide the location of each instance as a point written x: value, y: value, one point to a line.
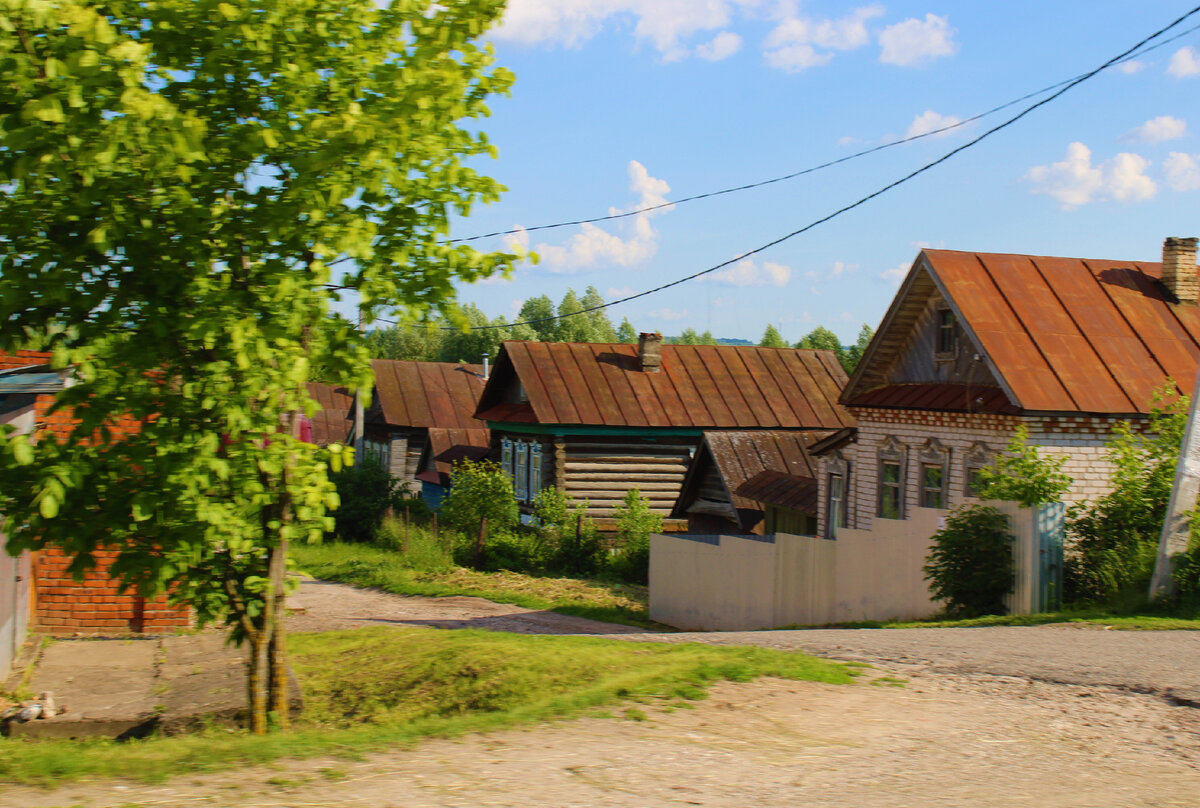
x: 828, y: 164
x: 862, y: 200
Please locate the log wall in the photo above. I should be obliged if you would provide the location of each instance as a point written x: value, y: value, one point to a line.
x: 601, y: 471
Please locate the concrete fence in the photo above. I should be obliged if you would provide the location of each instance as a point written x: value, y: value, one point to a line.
x: 750, y: 582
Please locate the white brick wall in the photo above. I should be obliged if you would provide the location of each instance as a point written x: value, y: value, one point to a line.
x: 1080, y: 439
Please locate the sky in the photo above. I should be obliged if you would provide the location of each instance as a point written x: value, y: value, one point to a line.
x: 621, y: 104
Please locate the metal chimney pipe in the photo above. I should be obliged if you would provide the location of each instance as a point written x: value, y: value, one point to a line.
x: 485, y: 367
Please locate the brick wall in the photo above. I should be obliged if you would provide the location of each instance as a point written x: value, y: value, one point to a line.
x: 94, y: 605
x: 1080, y: 439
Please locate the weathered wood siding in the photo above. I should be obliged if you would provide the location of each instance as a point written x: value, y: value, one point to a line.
x: 918, y: 361
x: 405, y: 457
x: 601, y: 471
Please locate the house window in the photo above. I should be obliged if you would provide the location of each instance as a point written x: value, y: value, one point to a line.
x: 837, y: 511
x: 521, y: 472
x: 535, y: 470
x: 891, y: 491
x: 947, y: 333
x: 933, y: 493
x: 979, y: 457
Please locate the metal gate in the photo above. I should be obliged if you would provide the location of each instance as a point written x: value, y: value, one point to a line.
x: 14, y: 605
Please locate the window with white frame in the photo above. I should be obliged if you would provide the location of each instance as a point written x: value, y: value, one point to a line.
x: 837, y: 495
x: 979, y: 457
x: 891, y: 479
x: 522, y: 461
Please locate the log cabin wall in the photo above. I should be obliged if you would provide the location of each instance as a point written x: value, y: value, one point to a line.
x: 404, y: 457
x: 601, y: 470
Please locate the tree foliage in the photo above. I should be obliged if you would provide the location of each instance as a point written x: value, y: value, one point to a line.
x: 772, y: 339
x: 180, y: 180
x: 636, y: 522
x: 479, y: 489
x: 823, y: 339
x: 1021, y: 474
x: 971, y: 563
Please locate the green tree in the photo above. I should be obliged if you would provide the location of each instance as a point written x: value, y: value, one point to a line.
x: 626, y: 332
x: 1023, y: 475
x: 708, y: 339
x: 687, y: 336
x: 571, y: 327
x: 600, y: 328
x: 854, y: 353
x: 772, y: 339
x: 420, y: 342
x: 970, y: 565
x: 821, y: 338
x: 179, y: 177
x: 538, y: 310
x: 479, y: 489
x: 635, y: 524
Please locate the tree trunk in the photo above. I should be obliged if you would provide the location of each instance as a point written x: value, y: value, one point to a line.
x: 278, y: 685
x: 256, y: 679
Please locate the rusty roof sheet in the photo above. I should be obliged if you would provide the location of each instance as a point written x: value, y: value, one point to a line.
x: 741, y: 456
x: 331, y: 426
x: 448, y: 446
x: 1065, y: 334
x: 783, y: 490
x: 699, y: 386
x: 329, y: 397
x: 427, y: 394
x: 950, y: 397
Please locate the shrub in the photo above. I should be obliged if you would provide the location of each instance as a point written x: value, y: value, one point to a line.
x: 421, y: 551
x: 1023, y: 475
x: 1114, y: 540
x: 635, y: 523
x: 567, y: 537
x: 971, y: 563
x: 479, y: 489
x: 364, y: 490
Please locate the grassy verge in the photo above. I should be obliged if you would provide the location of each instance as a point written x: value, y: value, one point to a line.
x: 406, y: 684
x: 391, y: 571
x: 1185, y: 621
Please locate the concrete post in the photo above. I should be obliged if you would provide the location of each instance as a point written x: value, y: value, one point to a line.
x: 1177, y: 526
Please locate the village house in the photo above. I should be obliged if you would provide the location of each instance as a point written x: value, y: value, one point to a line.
x: 975, y: 344
x: 421, y: 419
x: 597, y: 419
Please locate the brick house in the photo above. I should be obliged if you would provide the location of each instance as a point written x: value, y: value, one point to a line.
x: 59, y: 604
x: 598, y: 419
x: 975, y: 344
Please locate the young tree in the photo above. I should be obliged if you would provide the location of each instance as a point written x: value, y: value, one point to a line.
x: 538, y: 310
x: 822, y: 338
x: 853, y: 354
x: 600, y: 328
x: 180, y: 181
x: 772, y: 339
x: 626, y: 332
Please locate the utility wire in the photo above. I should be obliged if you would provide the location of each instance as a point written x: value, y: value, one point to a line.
x: 828, y: 164
x: 862, y: 200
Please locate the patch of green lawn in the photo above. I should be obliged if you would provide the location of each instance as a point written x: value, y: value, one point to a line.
x: 367, y: 566
x: 1184, y: 621
x: 374, y: 688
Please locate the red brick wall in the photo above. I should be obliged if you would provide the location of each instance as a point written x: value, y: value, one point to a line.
x: 94, y: 605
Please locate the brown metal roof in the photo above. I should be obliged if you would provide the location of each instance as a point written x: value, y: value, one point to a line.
x: 699, y: 386
x: 741, y: 456
x: 329, y: 397
x: 950, y: 397
x: 1061, y: 334
x: 427, y: 394
x: 447, y: 446
x: 783, y: 490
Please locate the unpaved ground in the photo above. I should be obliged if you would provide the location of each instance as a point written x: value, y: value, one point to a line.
x: 954, y: 734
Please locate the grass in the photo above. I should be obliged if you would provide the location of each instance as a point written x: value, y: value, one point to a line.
x: 367, y: 566
x: 1185, y: 620
x: 407, y: 684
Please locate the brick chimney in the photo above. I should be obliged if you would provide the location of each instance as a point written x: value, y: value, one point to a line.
x: 650, y: 346
x: 1179, y: 269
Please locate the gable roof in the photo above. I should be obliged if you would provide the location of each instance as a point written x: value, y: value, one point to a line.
x: 427, y: 394
x: 699, y: 386
x: 743, y: 456
x: 1059, y: 334
x: 448, y: 446
x: 782, y: 490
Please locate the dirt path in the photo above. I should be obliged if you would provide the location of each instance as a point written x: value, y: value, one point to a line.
x: 987, y: 718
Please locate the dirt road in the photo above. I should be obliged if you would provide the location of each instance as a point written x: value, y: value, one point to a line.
x: 986, y: 718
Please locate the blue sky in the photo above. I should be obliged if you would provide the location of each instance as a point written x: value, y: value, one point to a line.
x: 619, y: 103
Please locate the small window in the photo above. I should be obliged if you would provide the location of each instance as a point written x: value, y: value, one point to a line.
x: 521, y: 472
x: 891, y: 490
x: 535, y: 470
x: 933, y: 476
x: 947, y: 335
x: 973, y: 482
x: 836, y: 514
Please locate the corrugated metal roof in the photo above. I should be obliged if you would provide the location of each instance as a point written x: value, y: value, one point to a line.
x: 699, y: 386
x: 783, y: 490
x: 951, y: 397
x: 447, y: 446
x: 427, y: 394
x: 742, y: 456
x: 1064, y: 334
x: 329, y: 397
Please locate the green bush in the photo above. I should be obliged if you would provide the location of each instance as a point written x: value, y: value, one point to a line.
x: 365, y: 490
x: 419, y: 550
x: 568, y: 540
x: 635, y: 523
x: 971, y: 563
x: 1023, y: 475
x: 479, y: 489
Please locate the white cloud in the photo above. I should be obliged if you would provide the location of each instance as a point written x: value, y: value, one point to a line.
x: 593, y: 245
x: 1131, y: 67
x: 798, y: 43
x: 618, y: 292
x: 1184, y: 62
x: 664, y: 24
x: 722, y: 46
x: 1075, y: 181
x: 1183, y: 171
x: 896, y: 274
x: 1164, y: 127
x: 668, y: 314
x: 930, y: 121
x: 914, y: 43
x: 748, y: 273
x: 848, y: 140
x: 839, y: 267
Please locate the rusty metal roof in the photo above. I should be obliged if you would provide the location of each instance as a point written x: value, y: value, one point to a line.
x: 950, y: 397
x: 783, y: 490
x: 447, y: 446
x: 1061, y: 334
x: 699, y: 386
x: 427, y: 394
x: 741, y: 456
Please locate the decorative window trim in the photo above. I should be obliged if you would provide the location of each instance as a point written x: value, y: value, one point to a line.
x: 836, y: 466
x: 934, y: 455
x: 892, y: 452
x: 522, y: 461
x: 979, y: 456
x: 535, y: 470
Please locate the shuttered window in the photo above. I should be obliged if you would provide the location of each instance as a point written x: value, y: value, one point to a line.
x: 506, y: 458
x: 521, y: 472
x: 535, y: 470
